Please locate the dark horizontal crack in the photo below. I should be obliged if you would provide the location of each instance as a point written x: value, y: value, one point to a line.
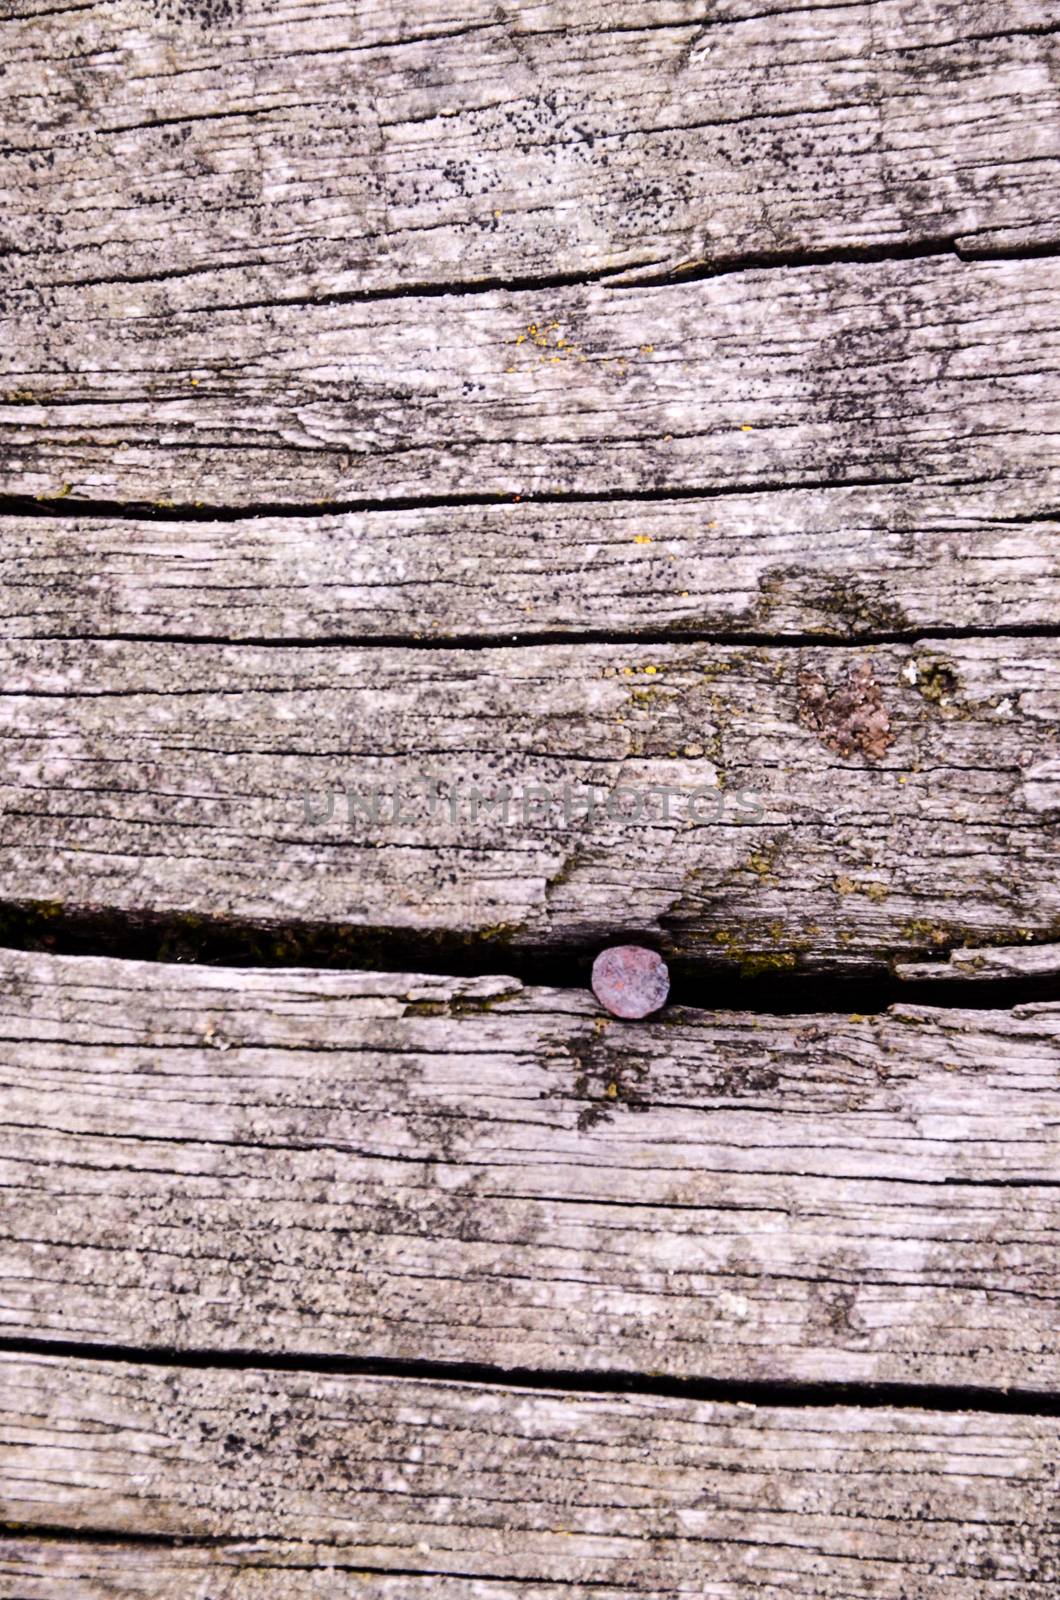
x: 240, y: 1544
x: 735, y: 636
x: 194, y: 511
x: 69, y: 506
x: 632, y: 275
x: 844, y: 255
x: 56, y: 1532
x: 779, y: 1393
x: 710, y: 983
x: 412, y: 291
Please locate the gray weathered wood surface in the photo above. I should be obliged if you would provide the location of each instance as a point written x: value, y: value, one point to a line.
x: 908, y: 793
x: 220, y: 153
x: 32, y: 1568
x: 835, y: 562
x: 359, y: 343
x: 883, y: 373
x: 633, y: 1491
x: 378, y: 1164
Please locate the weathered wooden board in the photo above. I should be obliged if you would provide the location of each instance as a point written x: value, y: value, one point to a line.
x: 384, y: 1165
x: 834, y: 562
x: 352, y: 277
x: 823, y: 375
x: 828, y: 808
x: 627, y: 1490
x: 225, y: 153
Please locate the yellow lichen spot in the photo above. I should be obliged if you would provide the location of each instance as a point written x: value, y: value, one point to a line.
x: 646, y: 349
x: 498, y: 213
x: 746, y: 427
x: 64, y: 491
x: 642, y: 538
x: 521, y: 339
x: 855, y: 1016
x: 612, y: 1090
x: 683, y: 594
x: 651, y: 671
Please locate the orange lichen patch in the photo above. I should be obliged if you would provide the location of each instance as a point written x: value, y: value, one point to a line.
x: 548, y: 338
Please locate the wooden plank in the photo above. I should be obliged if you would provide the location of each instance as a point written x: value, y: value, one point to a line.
x: 908, y: 370
x: 541, y: 1486
x: 833, y: 562
x: 384, y: 1165
x: 263, y: 154
x: 829, y: 809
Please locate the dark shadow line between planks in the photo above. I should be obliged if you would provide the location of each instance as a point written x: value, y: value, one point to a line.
x: 558, y: 636
x: 178, y: 938
x: 603, y: 1383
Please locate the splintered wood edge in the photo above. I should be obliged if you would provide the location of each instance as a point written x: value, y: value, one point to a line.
x: 986, y: 965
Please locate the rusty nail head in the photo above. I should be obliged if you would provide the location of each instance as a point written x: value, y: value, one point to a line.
x: 630, y: 981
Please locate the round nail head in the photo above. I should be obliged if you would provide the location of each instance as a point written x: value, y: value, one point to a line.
x: 630, y: 981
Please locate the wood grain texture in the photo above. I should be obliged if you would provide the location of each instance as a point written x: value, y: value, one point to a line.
x: 385, y: 1165
x: 889, y: 373
x: 219, y: 153
x: 55, y: 1568
x: 834, y: 562
x: 831, y: 809
x: 628, y: 1490
x: 58, y: 1569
